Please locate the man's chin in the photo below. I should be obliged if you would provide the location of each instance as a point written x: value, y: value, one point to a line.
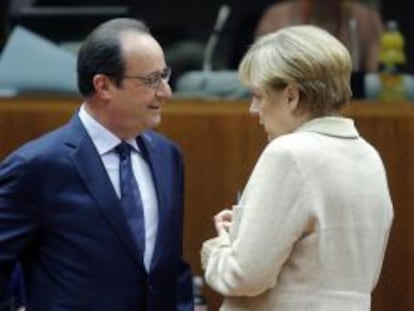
x: 155, y: 121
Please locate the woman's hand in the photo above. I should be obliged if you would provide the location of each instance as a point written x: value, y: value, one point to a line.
x: 222, y: 221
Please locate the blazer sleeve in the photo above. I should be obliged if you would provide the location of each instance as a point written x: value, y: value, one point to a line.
x: 184, y: 277
x: 17, y: 216
x: 273, y: 219
x: 185, y: 290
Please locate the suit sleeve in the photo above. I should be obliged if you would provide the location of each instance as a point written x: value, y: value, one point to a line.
x: 272, y: 220
x: 184, y: 278
x: 17, y: 221
x: 185, y: 292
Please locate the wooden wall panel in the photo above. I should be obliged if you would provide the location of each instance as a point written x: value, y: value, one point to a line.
x: 221, y: 143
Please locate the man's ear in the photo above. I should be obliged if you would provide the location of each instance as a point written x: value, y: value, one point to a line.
x: 103, y: 86
x: 292, y: 96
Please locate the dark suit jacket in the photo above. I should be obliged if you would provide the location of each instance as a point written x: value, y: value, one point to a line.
x: 61, y: 216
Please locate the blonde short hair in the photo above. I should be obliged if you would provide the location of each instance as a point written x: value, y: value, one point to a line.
x: 306, y: 56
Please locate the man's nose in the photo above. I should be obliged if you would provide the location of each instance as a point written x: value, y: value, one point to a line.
x: 164, y: 90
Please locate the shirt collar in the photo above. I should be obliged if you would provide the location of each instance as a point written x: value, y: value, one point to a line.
x: 103, y: 139
x: 331, y: 126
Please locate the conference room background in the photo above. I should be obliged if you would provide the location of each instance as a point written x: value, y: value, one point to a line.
x: 180, y: 21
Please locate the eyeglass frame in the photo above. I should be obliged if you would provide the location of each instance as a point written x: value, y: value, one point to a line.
x: 154, y: 79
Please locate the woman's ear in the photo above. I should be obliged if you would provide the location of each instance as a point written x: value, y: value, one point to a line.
x: 292, y: 96
x: 103, y: 86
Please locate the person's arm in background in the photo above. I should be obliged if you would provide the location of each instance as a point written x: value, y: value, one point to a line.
x: 370, y: 30
x: 274, y: 17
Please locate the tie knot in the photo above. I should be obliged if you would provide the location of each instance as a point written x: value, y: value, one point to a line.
x: 123, y: 150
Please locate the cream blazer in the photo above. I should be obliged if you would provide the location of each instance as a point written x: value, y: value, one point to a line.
x: 311, y: 228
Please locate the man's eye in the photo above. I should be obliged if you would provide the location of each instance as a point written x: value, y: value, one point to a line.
x: 154, y: 78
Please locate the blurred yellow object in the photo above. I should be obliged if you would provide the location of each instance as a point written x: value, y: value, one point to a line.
x: 392, y: 56
x: 392, y: 87
x: 392, y: 46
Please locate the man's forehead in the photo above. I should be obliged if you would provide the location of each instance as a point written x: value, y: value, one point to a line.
x: 136, y: 42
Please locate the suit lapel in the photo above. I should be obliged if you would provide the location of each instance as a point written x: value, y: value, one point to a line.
x: 96, y: 179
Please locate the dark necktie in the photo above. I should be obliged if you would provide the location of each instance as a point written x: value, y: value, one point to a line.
x: 130, y: 196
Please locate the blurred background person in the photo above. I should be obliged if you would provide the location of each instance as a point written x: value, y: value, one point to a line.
x: 355, y: 24
x: 312, y: 224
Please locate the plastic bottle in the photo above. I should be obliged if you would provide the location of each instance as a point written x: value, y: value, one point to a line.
x: 200, y: 301
x: 392, y: 56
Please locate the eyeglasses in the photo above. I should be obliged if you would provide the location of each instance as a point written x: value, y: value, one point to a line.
x: 153, y: 80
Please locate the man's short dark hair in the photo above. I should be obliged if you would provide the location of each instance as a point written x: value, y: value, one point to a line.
x: 101, y: 52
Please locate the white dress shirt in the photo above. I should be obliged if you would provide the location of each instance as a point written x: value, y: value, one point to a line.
x: 105, y: 143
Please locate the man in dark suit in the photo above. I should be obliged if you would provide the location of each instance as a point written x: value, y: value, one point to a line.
x: 63, y: 210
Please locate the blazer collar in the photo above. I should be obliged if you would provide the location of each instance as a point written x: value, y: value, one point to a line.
x: 93, y: 174
x: 90, y: 167
x: 331, y: 126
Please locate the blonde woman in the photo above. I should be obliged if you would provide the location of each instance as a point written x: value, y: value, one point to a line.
x: 312, y: 224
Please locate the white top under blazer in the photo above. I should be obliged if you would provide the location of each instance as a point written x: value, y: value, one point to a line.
x: 311, y: 228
